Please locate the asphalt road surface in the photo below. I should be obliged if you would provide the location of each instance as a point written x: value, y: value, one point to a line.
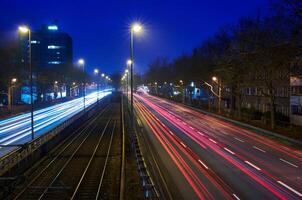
x: 207, y: 158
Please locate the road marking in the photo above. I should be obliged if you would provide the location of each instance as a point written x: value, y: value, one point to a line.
x: 191, y: 128
x: 288, y: 162
x: 183, y: 145
x: 171, y: 133
x: 224, y: 133
x: 251, y: 164
x: 203, y: 164
x: 290, y: 188
x: 231, y: 152
x: 236, y: 197
x: 259, y: 149
x: 238, y: 139
x: 184, y: 123
x: 200, y: 133
x: 213, y: 141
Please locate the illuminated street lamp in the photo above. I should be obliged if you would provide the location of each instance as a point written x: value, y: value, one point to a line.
x: 11, y: 92
x: 218, y: 82
x: 129, y: 62
x: 134, y: 29
x: 96, y: 72
x: 81, y: 62
x: 26, y: 30
x: 214, y: 78
x: 14, y: 80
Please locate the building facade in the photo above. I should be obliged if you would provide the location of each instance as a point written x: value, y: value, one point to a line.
x: 51, y: 51
x: 296, y: 100
x: 50, y: 48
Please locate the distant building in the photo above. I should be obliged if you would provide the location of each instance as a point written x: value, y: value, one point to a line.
x: 50, y: 48
x: 296, y: 100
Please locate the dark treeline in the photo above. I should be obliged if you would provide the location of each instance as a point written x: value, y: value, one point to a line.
x: 256, y: 48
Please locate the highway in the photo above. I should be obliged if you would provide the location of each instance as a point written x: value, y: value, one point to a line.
x: 207, y: 158
x: 17, y: 130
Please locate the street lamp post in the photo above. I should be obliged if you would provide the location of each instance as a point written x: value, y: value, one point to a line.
x: 218, y: 82
x: 96, y: 72
x: 127, y: 81
x: 12, y: 82
x: 103, y: 77
x: 81, y: 62
x: 135, y: 28
x: 24, y: 29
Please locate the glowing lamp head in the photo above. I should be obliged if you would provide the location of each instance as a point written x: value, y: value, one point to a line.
x: 126, y: 71
x: 56, y: 82
x: 214, y: 78
x: 14, y: 80
x: 73, y: 83
x: 129, y: 62
x: 103, y: 75
x: 95, y: 71
x: 81, y: 61
x: 23, y: 29
x: 136, y: 28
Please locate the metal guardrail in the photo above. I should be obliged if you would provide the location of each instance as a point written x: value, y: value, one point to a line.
x: 14, y: 157
x: 150, y: 191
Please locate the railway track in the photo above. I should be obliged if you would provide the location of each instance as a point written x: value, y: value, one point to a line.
x: 78, y: 167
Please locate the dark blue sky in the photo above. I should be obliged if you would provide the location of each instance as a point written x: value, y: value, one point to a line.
x: 100, y: 28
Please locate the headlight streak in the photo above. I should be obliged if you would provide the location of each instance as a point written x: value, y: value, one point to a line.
x: 296, y: 154
x: 211, y: 176
x: 16, y: 129
x: 263, y: 177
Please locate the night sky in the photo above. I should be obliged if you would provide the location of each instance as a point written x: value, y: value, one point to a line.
x: 100, y: 28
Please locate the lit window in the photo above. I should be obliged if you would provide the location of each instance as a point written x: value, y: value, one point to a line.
x: 54, y: 62
x: 54, y: 47
x: 53, y: 28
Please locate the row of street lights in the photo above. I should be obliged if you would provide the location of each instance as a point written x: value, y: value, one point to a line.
x: 215, y: 79
x: 81, y: 62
